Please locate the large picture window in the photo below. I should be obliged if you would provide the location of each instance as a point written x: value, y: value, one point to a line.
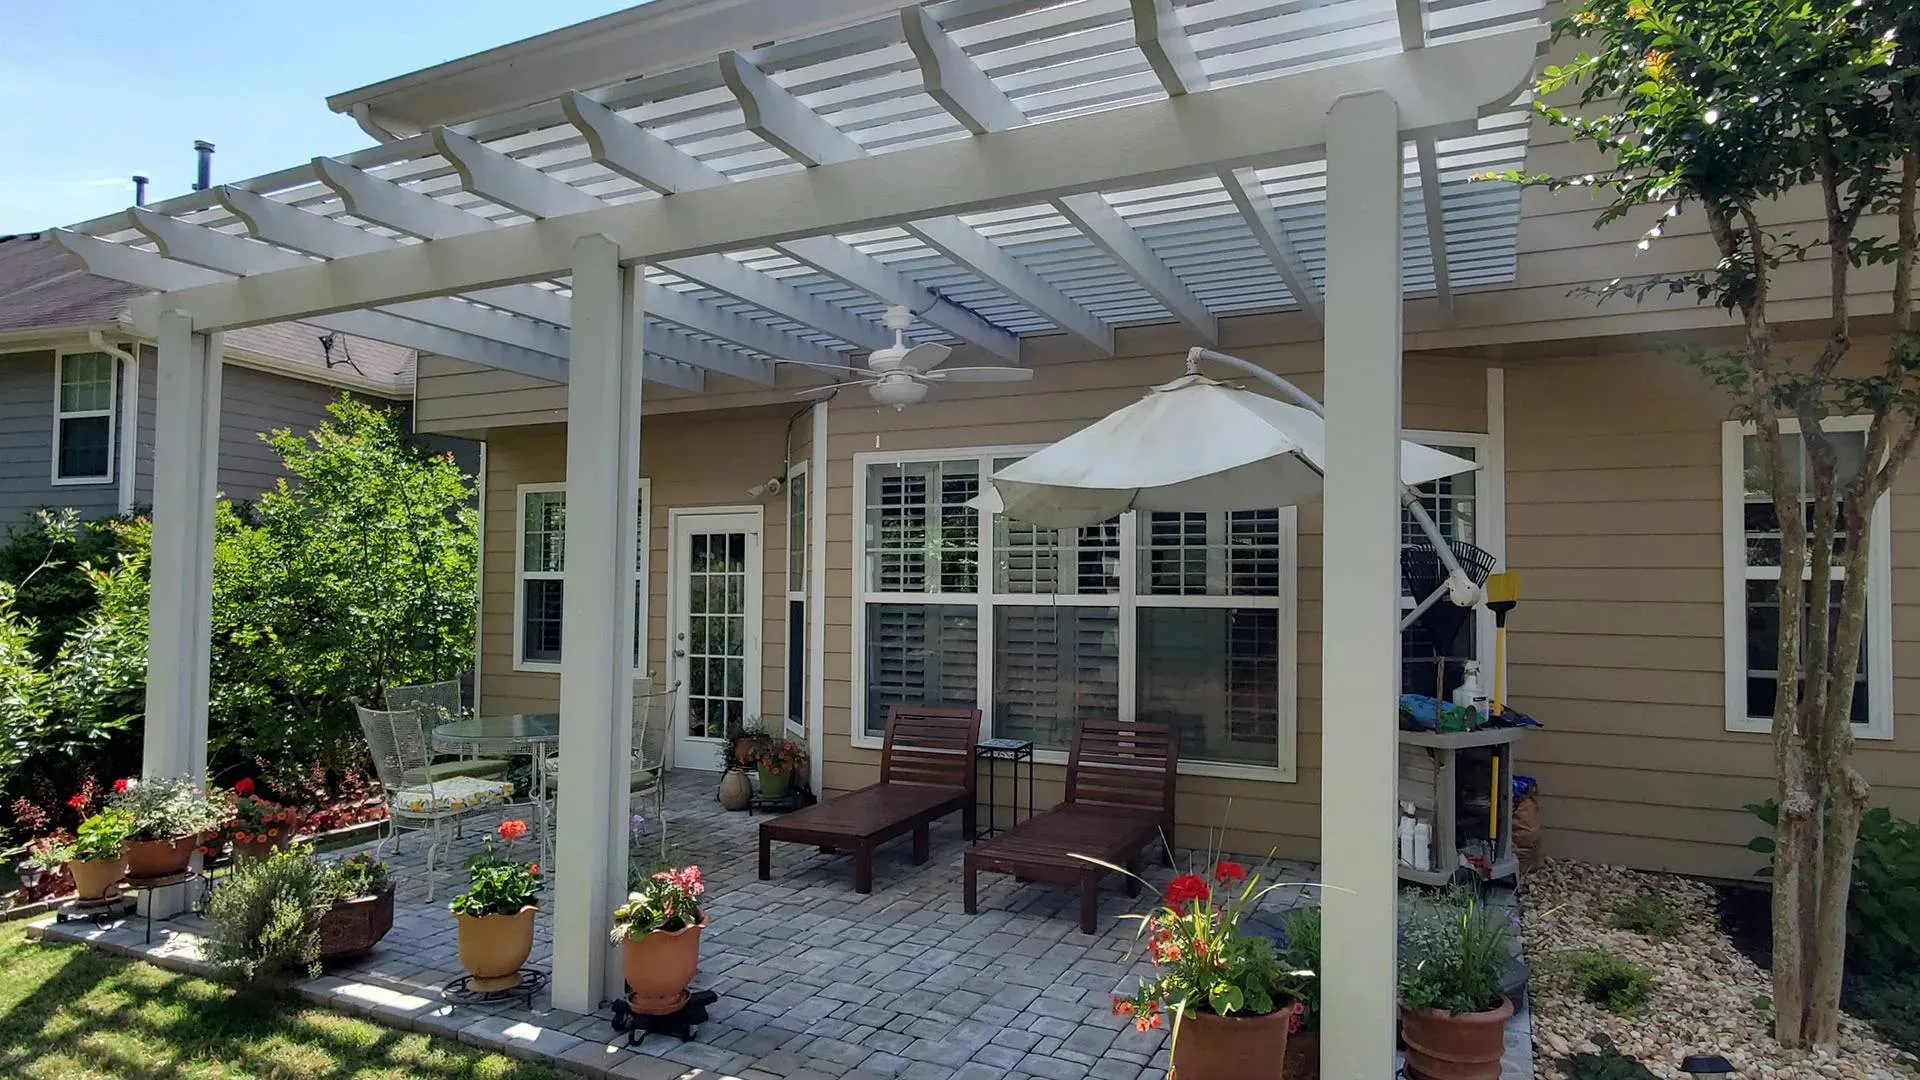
x: 540, y: 572
x: 86, y: 397
x: 1185, y: 619
x: 1752, y: 580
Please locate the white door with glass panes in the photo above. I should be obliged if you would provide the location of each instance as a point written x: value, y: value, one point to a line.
x: 714, y: 639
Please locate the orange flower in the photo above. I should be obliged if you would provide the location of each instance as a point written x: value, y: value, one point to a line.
x: 1658, y: 64
x: 271, y: 833
x: 512, y: 830
x: 1122, y: 1007
x: 534, y: 869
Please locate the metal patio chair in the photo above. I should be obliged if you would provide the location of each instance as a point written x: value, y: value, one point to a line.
x: 419, y: 798
x: 646, y: 772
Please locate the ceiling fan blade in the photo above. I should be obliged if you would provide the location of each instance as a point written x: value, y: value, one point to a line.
x: 924, y: 357
x: 981, y: 374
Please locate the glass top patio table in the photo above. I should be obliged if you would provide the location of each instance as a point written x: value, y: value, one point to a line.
x: 502, y: 732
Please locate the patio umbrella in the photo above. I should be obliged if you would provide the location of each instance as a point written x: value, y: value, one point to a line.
x: 1193, y: 444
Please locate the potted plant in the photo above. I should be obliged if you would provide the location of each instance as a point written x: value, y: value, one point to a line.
x: 258, y: 825
x: 495, y: 914
x: 1453, y: 1013
x: 169, y: 814
x: 362, y: 912
x: 266, y: 914
x: 1302, y: 954
x: 98, y: 858
x: 777, y: 758
x: 1232, y: 1001
x: 658, y: 930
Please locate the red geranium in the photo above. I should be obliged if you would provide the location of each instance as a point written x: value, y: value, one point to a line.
x: 512, y: 830
x: 243, y: 786
x: 122, y: 784
x: 79, y: 801
x: 1187, y: 888
x: 1229, y: 873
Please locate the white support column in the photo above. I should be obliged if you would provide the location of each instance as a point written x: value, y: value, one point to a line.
x: 596, y: 666
x: 185, y: 452
x: 1361, y: 643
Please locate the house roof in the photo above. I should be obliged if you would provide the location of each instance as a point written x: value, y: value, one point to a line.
x: 45, y: 288
x: 741, y: 92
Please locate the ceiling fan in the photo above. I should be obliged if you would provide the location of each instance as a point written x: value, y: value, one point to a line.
x: 900, y: 374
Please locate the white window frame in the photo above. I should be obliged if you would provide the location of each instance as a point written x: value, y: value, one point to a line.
x: 642, y: 578
x: 1127, y: 601
x: 1736, y: 574
x: 796, y: 590
x: 111, y: 412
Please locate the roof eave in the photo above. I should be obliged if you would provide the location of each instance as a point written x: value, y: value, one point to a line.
x: 665, y: 35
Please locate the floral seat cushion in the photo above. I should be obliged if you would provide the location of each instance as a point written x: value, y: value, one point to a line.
x: 451, y: 796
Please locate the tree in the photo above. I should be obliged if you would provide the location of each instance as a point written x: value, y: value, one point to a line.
x: 1723, y: 107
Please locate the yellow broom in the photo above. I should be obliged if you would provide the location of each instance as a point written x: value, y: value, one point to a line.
x: 1503, y: 593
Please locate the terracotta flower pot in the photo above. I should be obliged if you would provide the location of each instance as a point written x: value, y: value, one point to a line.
x: 658, y: 968
x: 1443, y: 1046
x: 774, y: 785
x: 1303, y: 1056
x: 255, y: 849
x: 1211, y: 1047
x: 736, y: 791
x: 96, y: 879
x: 493, y: 947
x: 148, y: 859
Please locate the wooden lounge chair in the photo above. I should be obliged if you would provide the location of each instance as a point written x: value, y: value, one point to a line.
x: 1120, y: 780
x: 926, y: 773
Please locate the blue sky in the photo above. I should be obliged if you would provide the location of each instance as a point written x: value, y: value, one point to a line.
x: 94, y: 91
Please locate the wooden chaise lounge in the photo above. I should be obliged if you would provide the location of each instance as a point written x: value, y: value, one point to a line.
x: 1120, y: 779
x: 926, y: 773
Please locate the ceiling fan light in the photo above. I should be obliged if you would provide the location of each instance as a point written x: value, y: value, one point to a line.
x: 898, y: 393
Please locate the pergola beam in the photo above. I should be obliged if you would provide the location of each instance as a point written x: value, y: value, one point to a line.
x: 966, y: 91
x: 230, y: 254
x: 1443, y: 89
x: 417, y: 214
x: 782, y: 120
x: 1435, y: 205
x: 493, y: 175
x: 1162, y: 38
x: 1412, y: 16
x: 150, y: 271
x: 639, y: 155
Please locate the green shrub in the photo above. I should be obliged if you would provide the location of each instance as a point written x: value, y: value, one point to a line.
x: 46, y: 559
x: 1607, y: 979
x: 1302, y: 953
x: 1608, y: 1064
x: 265, y: 914
x: 1891, y: 1003
x: 1883, y: 906
x: 1650, y: 914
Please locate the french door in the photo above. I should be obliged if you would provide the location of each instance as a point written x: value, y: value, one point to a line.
x: 715, y: 635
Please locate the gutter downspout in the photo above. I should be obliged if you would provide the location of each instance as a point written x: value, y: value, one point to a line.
x: 128, y: 435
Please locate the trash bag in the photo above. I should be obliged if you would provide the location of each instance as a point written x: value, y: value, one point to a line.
x: 1526, y: 823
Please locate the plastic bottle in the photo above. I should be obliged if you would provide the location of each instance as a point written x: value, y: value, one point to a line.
x: 1406, y: 833
x: 1422, y: 845
x: 1469, y: 694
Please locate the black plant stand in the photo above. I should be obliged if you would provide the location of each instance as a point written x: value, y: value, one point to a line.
x: 797, y: 796
x: 680, y: 1023
x: 460, y: 991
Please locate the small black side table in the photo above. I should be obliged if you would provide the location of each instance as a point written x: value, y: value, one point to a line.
x: 1014, y: 751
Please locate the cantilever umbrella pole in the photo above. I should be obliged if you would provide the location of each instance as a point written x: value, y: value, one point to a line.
x: 1408, y: 496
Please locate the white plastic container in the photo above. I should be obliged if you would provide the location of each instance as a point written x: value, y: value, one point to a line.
x: 1422, y: 845
x: 1407, y: 821
x: 1469, y: 694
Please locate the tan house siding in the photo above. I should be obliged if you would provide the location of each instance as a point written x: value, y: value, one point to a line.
x: 705, y: 460
x: 1613, y: 521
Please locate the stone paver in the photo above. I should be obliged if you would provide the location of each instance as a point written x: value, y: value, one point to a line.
x: 816, y: 981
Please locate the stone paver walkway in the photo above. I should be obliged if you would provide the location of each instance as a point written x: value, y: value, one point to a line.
x: 815, y: 981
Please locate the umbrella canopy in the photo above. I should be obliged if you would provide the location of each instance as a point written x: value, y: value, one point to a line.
x: 1192, y: 444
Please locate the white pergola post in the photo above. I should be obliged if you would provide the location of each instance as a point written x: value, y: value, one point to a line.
x: 596, y: 666
x: 186, y: 450
x: 1360, y: 646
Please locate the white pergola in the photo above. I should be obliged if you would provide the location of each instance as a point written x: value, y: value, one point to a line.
x: 1001, y: 167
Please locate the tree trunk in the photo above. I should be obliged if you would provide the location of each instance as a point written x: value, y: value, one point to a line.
x: 1793, y: 880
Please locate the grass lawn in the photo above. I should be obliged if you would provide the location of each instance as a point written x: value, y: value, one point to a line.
x: 71, y: 1013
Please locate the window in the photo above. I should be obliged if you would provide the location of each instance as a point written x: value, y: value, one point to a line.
x: 1453, y: 502
x: 797, y: 598
x: 1185, y: 619
x: 539, y: 579
x: 85, y: 397
x: 1752, y: 585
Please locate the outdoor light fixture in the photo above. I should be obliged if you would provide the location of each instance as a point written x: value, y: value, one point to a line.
x: 898, y: 391
x: 1706, y: 1065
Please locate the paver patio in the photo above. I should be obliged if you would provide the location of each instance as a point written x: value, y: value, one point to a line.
x: 815, y: 980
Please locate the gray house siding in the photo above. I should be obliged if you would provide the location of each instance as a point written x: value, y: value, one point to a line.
x: 143, y: 434
x: 26, y: 445
x: 252, y: 402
